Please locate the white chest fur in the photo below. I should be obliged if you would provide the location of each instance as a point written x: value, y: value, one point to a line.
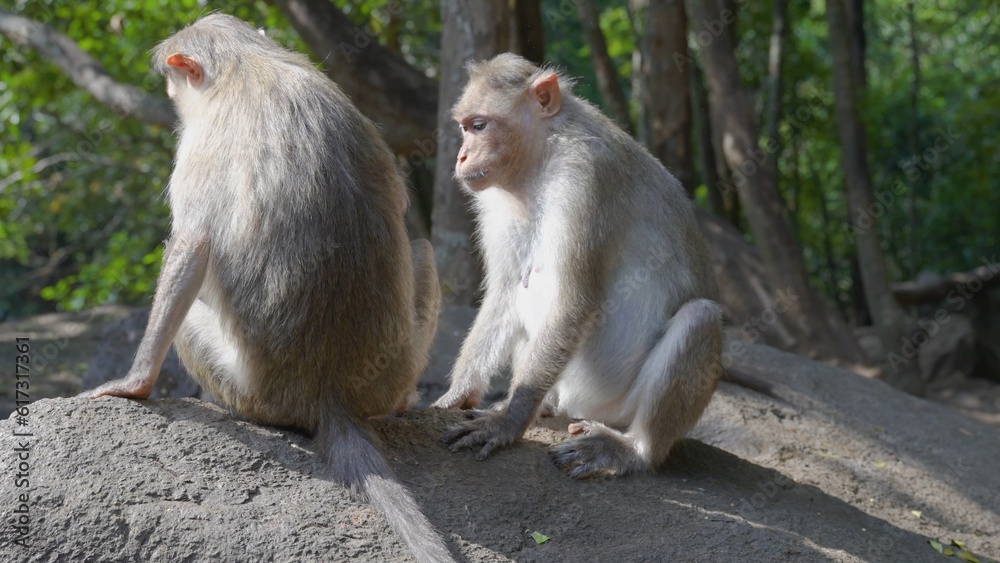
x: 535, y: 295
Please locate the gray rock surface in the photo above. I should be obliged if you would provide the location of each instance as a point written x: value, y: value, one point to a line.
x: 828, y: 468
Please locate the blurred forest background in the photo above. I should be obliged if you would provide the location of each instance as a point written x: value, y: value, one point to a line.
x: 843, y: 153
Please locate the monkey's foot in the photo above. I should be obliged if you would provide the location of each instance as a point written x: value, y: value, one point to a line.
x: 489, y: 429
x: 458, y: 400
x: 598, y: 451
x: 128, y: 387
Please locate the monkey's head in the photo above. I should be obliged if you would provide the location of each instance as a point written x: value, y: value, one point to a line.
x: 216, y: 50
x: 503, y: 114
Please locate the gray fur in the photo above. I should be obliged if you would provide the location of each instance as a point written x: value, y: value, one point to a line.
x: 287, y: 223
x: 586, y: 219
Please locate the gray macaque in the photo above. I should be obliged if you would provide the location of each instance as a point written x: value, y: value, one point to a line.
x: 288, y: 286
x: 599, y: 288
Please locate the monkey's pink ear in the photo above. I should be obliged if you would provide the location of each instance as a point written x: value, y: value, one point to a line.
x: 546, y: 92
x: 190, y: 67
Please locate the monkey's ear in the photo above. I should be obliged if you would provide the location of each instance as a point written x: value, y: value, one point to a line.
x: 546, y: 92
x: 190, y: 67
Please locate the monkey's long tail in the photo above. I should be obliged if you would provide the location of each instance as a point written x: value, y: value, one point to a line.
x: 357, y: 462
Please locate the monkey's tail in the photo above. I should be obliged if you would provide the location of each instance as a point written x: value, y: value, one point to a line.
x: 356, y: 461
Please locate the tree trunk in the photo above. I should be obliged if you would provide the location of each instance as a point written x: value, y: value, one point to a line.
x: 637, y: 16
x: 715, y: 172
x: 775, y: 63
x: 604, y: 69
x: 886, y: 313
x: 855, y: 12
x: 757, y: 190
x: 386, y: 88
x: 528, y: 35
x: 914, y: 141
x: 666, y: 94
x: 472, y: 31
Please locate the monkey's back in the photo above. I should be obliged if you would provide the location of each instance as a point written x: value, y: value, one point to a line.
x: 307, y: 247
x: 643, y: 206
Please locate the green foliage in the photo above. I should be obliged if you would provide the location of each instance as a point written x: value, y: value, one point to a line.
x: 82, y: 212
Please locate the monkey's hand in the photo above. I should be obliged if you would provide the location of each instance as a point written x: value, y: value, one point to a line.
x: 131, y: 387
x: 488, y: 428
x: 455, y: 399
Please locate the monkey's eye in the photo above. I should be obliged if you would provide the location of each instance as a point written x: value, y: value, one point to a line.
x: 479, y: 124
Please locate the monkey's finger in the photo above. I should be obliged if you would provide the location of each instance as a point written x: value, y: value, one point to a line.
x: 452, y: 435
x: 564, y: 457
x: 584, y: 471
x: 487, y: 449
x: 468, y: 441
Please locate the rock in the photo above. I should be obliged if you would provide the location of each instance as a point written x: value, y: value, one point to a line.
x: 116, y: 350
x: 950, y: 347
x: 828, y: 468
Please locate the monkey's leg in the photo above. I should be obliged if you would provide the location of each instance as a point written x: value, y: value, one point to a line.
x: 671, y: 391
x: 427, y: 305
x: 207, y: 353
x: 427, y: 301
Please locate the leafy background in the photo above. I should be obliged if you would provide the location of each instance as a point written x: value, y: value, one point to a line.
x: 83, y: 217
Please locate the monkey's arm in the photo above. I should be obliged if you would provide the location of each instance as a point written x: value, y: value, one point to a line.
x: 183, y: 272
x: 484, y: 353
x: 543, y: 360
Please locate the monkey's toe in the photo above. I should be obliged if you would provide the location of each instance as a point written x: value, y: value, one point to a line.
x: 597, y: 452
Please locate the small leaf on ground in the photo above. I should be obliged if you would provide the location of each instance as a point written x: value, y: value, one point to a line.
x: 539, y: 538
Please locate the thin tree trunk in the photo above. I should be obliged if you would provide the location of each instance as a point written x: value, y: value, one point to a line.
x: 638, y: 13
x: 827, y: 228
x: 914, y: 140
x: 887, y: 314
x: 757, y: 190
x: 706, y: 150
x: 722, y: 189
x: 528, y: 36
x: 472, y: 31
x: 667, y: 88
x: 604, y: 69
x: 775, y: 64
x: 855, y: 12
